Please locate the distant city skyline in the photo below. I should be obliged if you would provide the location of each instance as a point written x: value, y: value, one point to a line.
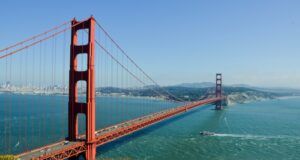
x: 250, y: 42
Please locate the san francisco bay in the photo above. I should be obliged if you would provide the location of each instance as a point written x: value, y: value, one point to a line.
x: 260, y: 130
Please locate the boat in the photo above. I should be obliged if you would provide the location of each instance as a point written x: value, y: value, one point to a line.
x: 207, y: 133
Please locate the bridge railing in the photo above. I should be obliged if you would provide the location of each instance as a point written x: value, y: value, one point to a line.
x: 34, y: 78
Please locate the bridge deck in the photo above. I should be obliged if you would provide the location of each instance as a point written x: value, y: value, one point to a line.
x: 65, y: 149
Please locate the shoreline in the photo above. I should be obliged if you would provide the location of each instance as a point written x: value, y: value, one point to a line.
x: 262, y: 100
x: 81, y: 95
x: 287, y: 97
x: 230, y: 101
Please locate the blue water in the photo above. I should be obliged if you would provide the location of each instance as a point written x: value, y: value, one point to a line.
x: 31, y: 121
x: 268, y: 130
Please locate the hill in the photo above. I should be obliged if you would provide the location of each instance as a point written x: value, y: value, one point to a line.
x: 197, y: 92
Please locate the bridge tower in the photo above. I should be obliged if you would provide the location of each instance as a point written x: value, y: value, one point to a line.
x: 219, y: 90
x: 75, y: 107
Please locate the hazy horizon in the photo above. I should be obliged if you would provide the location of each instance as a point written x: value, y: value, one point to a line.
x: 250, y: 42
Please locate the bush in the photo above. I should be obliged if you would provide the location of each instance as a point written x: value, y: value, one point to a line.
x: 7, y: 157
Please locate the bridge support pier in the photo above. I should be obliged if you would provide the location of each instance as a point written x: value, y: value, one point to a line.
x: 75, y: 107
x: 219, y: 91
x: 90, y: 152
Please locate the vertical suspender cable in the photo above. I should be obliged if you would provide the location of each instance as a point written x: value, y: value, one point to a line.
x: 9, y: 108
x: 39, y: 88
x: 26, y: 104
x: 63, y: 79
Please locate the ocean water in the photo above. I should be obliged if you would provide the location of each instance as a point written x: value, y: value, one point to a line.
x: 267, y: 130
x: 31, y: 121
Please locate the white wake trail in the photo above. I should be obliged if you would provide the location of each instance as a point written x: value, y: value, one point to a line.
x: 249, y: 136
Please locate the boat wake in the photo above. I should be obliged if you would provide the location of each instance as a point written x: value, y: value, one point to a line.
x: 258, y: 137
x: 17, y: 145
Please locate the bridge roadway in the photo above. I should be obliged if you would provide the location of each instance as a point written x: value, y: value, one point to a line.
x: 66, y: 149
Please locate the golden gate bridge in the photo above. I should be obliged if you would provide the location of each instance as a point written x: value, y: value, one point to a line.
x: 38, y: 66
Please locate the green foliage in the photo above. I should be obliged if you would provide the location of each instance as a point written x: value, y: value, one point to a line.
x: 7, y: 157
x: 185, y: 93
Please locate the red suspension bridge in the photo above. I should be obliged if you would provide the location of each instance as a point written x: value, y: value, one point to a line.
x: 99, y: 69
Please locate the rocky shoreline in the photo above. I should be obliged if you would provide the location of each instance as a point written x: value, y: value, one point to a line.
x: 242, y: 98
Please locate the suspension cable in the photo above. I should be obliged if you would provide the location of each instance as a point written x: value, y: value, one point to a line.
x: 118, y: 62
x: 106, y: 51
x: 39, y: 41
x: 35, y: 36
x: 134, y: 63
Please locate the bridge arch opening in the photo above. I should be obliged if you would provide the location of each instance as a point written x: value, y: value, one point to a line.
x: 81, y: 91
x: 82, y: 62
x: 82, y: 37
x: 81, y: 123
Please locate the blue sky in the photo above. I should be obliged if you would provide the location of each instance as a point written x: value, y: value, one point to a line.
x: 251, y: 41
